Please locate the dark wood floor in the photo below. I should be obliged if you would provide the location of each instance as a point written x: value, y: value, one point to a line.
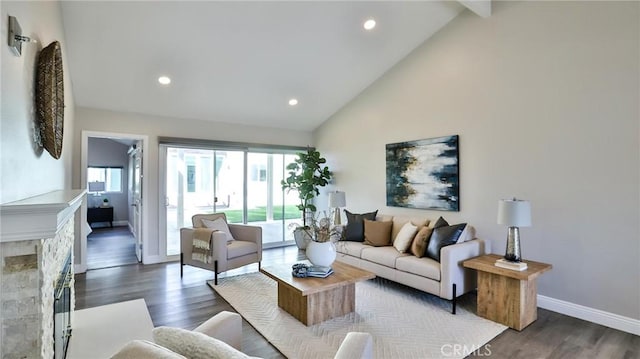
x: 110, y: 247
x: 187, y: 302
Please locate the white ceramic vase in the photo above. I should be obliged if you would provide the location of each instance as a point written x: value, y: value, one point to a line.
x: 321, y: 253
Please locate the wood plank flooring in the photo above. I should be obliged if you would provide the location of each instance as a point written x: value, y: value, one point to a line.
x: 110, y: 247
x: 188, y: 302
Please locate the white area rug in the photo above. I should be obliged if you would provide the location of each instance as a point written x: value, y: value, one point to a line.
x: 99, y: 332
x: 404, y: 323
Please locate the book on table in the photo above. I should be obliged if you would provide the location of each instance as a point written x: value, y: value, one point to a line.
x: 319, y: 271
x: 503, y: 263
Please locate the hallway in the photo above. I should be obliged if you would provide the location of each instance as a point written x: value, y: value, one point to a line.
x: 110, y: 247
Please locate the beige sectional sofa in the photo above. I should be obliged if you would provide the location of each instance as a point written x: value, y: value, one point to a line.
x: 447, y: 279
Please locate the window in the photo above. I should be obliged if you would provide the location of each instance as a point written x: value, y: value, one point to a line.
x: 111, y: 176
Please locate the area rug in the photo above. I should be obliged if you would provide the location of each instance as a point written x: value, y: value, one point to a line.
x: 405, y: 323
x: 100, y: 332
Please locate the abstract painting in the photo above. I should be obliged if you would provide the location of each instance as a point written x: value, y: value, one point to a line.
x: 424, y: 174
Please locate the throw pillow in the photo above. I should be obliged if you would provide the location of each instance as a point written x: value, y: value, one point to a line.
x: 354, y: 231
x: 441, y: 222
x: 468, y: 234
x: 419, y: 244
x: 142, y: 349
x: 377, y: 233
x: 443, y: 236
x: 194, y: 345
x: 219, y: 224
x: 405, y: 237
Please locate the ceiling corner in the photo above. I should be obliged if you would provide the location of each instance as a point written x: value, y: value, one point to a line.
x: 480, y: 7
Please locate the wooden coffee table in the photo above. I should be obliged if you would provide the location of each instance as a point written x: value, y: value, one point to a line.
x: 314, y: 300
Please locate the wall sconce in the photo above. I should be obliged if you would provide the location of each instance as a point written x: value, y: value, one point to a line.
x: 15, y: 36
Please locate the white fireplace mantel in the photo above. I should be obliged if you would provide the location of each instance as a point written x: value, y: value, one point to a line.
x: 38, y: 217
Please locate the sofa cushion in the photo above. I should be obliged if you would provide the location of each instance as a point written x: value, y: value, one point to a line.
x: 385, y: 256
x: 400, y: 221
x: 237, y: 249
x: 377, y: 233
x: 351, y: 248
x: 142, y: 349
x: 425, y: 267
x: 420, y: 241
x: 194, y: 345
x: 354, y: 231
x: 403, y: 239
x: 443, y: 236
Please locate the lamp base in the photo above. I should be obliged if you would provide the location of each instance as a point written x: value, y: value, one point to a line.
x: 512, y: 253
x: 336, y: 218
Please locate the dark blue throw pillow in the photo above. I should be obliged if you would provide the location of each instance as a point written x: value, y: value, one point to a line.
x: 443, y: 236
x: 354, y: 231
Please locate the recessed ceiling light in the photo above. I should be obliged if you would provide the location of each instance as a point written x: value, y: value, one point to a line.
x: 164, y: 80
x: 293, y: 102
x: 369, y: 24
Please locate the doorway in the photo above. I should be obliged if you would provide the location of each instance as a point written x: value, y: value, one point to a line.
x: 112, y: 168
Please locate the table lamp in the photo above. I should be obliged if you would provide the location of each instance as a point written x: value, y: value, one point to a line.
x: 96, y: 187
x: 337, y: 199
x: 514, y: 213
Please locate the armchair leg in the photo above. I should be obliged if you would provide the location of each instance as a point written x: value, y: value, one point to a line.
x: 181, y: 263
x: 259, y: 266
x: 215, y: 272
x: 453, y: 304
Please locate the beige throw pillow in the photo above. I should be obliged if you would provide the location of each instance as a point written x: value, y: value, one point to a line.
x: 377, y: 233
x: 219, y: 224
x: 420, y: 242
x: 405, y: 237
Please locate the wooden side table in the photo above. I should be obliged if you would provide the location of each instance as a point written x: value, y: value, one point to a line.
x: 507, y: 296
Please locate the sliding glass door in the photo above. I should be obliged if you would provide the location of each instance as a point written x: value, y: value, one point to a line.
x: 268, y: 206
x: 202, y: 180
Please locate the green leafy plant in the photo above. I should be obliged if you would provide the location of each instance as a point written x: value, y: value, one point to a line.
x: 306, y: 175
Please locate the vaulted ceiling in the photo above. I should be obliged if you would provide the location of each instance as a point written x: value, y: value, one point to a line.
x: 241, y: 62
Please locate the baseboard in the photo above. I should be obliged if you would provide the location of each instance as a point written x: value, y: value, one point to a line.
x: 120, y: 223
x: 79, y: 268
x: 597, y: 316
x: 152, y: 259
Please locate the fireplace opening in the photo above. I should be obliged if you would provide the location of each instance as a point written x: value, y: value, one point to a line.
x: 62, y: 311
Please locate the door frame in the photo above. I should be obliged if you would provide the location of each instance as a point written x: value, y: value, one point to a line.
x: 81, y: 267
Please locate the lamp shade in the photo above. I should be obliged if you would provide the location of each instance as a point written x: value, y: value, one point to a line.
x: 337, y: 199
x: 514, y: 213
x: 96, y: 186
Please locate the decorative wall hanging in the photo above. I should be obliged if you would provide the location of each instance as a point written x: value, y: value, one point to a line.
x: 50, y: 98
x: 424, y: 174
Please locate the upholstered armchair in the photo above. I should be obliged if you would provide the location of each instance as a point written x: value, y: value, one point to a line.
x: 207, y: 246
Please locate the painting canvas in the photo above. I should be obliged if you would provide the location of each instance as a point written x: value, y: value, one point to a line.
x: 424, y: 174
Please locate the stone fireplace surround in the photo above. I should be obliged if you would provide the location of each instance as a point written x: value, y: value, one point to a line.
x: 36, y: 237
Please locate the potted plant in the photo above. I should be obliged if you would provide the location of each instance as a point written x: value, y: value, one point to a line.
x: 306, y: 175
x: 105, y: 202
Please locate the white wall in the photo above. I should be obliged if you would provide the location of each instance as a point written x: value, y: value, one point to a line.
x: 104, y: 152
x: 26, y: 170
x: 154, y: 127
x: 544, y: 96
